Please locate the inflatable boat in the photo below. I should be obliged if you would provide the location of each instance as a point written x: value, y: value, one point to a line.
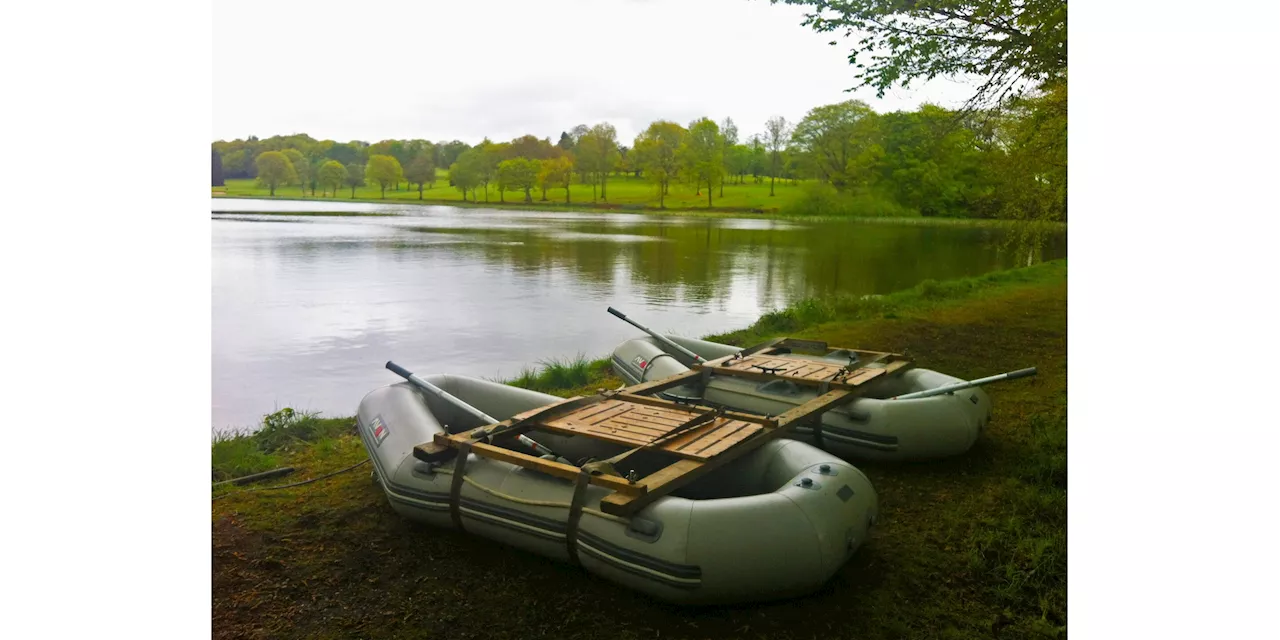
x: 874, y: 427
x: 776, y: 522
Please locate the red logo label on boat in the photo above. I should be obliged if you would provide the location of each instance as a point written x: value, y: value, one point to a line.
x: 378, y: 430
x: 640, y: 362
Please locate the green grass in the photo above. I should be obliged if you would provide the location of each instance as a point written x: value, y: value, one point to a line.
x: 625, y: 193
x: 969, y: 547
x: 238, y: 453
x: 805, y: 199
x: 562, y: 376
x: 335, y: 214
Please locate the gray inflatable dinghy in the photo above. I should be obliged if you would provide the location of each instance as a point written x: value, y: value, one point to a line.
x: 774, y: 523
x: 873, y: 427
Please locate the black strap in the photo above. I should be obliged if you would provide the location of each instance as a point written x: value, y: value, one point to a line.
x: 455, y: 489
x: 575, y: 514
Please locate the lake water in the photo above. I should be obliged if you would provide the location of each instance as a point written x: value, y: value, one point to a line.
x: 307, y: 309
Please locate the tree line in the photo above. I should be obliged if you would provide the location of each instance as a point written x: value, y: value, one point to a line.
x: 1002, y: 154
x: 933, y: 160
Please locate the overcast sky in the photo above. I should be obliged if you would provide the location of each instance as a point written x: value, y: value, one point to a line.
x: 442, y: 70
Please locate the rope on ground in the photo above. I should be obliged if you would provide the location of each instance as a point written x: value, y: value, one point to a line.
x: 294, y: 484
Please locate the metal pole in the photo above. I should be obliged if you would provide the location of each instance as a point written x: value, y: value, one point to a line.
x: 929, y: 393
x: 455, y: 401
x: 657, y: 336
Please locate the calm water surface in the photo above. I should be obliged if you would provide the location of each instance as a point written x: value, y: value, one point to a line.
x: 307, y: 309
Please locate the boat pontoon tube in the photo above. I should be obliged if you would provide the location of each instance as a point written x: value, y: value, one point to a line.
x: 873, y: 427
x: 777, y: 522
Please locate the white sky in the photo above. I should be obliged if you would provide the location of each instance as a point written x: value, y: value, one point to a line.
x: 442, y: 70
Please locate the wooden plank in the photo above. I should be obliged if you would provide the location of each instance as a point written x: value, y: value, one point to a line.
x: 552, y: 468
x: 685, y: 441
x: 433, y: 452
x: 726, y: 441
x: 681, y: 473
x: 763, y: 346
x: 718, y: 362
x: 631, y: 425
x: 863, y: 376
x: 624, y: 430
x: 809, y: 371
x: 760, y: 375
x: 818, y: 405
x: 658, y: 415
x: 653, y: 401
x: 638, y: 423
x: 713, y: 441
x: 654, y: 386
x: 602, y: 411
x: 676, y: 475
x: 650, y: 400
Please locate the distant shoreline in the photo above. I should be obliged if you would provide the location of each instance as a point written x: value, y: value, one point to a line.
x: 702, y: 212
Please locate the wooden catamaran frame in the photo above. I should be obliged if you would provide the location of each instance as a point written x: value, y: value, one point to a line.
x: 698, y: 438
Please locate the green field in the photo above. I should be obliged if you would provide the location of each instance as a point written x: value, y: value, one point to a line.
x: 970, y: 547
x: 623, y: 192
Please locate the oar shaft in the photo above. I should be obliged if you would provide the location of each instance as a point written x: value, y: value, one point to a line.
x: 441, y: 393
x: 929, y: 393
x: 455, y: 401
x: 657, y: 336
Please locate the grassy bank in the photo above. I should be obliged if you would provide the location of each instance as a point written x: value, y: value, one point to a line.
x: 972, y: 547
x: 625, y: 192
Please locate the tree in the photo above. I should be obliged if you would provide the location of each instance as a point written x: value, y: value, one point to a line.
x: 301, y: 168
x: 465, y: 174
x: 566, y: 142
x: 598, y: 153
x: 519, y: 174
x: 421, y: 170
x: 831, y: 136
x: 1014, y: 45
x: 729, y: 131
x: 777, y: 133
x: 332, y: 174
x: 447, y: 152
x: 347, y: 153
x: 575, y: 136
x: 737, y: 160
x: 315, y: 159
x: 217, y: 169
x: 1027, y: 157
x: 758, y: 161
x: 702, y: 154
x: 729, y: 134
x: 531, y: 147
x: 274, y: 169
x: 547, y: 174
x: 355, y: 177
x: 556, y: 172
x: 487, y: 158
x: 655, y: 151
x: 384, y: 171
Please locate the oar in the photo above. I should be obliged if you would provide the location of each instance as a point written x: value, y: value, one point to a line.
x: 452, y: 399
x: 1012, y: 375
x: 657, y: 336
